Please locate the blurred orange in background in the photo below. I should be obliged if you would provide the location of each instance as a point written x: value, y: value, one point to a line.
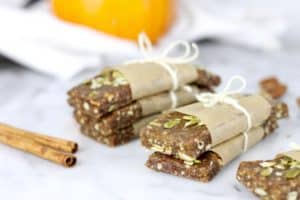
x: 123, y: 18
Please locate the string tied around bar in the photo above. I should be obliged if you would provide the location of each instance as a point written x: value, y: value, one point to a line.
x: 211, y: 99
x: 174, y: 99
x: 190, y: 54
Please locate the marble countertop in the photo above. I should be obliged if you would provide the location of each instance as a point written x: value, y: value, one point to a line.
x: 36, y: 102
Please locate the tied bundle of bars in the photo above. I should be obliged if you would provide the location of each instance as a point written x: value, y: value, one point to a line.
x: 278, y: 178
x: 197, y: 142
x: 113, y: 106
x: 57, y: 150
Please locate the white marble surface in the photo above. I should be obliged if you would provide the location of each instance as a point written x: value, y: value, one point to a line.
x: 38, y: 103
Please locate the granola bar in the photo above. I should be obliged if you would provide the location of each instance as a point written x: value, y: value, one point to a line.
x: 207, y: 165
x: 108, y: 125
x: 272, y: 179
x: 111, y: 90
x: 135, y: 111
x: 186, y: 136
x: 118, y: 136
x: 102, y: 94
x: 122, y: 136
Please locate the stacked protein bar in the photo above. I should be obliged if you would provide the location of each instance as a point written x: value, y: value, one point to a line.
x: 197, y: 142
x: 114, y: 105
x: 278, y: 178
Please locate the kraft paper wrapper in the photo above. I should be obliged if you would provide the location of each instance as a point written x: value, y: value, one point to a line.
x: 225, y: 121
x: 294, y: 154
x: 234, y: 147
x: 147, y: 79
x: 137, y: 126
x: 159, y: 103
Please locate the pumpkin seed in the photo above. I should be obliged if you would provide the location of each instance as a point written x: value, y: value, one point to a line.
x: 266, y: 171
x: 191, y: 121
x: 292, y: 173
x: 158, y: 148
x: 185, y: 157
x: 171, y: 123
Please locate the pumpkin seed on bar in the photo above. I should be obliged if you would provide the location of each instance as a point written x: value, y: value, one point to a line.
x: 171, y: 123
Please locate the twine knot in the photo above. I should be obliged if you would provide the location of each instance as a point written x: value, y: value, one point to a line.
x: 211, y: 99
x: 190, y: 53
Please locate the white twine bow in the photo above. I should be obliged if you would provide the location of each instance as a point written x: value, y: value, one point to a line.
x: 191, y: 53
x: 211, y: 99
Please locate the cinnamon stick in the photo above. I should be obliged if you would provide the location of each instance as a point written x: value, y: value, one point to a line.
x: 36, y: 148
x: 53, y: 142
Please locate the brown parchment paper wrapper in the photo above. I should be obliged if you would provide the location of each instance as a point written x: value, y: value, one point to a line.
x: 159, y: 103
x: 294, y: 154
x: 225, y: 121
x: 232, y: 148
x: 147, y: 79
x: 137, y: 126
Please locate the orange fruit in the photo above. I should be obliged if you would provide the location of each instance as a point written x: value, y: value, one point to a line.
x: 123, y: 18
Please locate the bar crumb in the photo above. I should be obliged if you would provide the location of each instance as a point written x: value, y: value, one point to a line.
x: 273, y: 87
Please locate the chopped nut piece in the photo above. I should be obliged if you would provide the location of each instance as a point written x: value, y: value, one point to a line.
x: 159, y: 166
x: 86, y: 106
x: 292, y: 195
x: 279, y: 166
x: 111, y: 108
x: 188, y: 162
x: 278, y: 173
x: 97, y: 127
x: 200, y: 145
x: 260, y: 192
x: 208, y: 147
x: 267, y: 164
x: 154, y: 123
x: 158, y: 148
